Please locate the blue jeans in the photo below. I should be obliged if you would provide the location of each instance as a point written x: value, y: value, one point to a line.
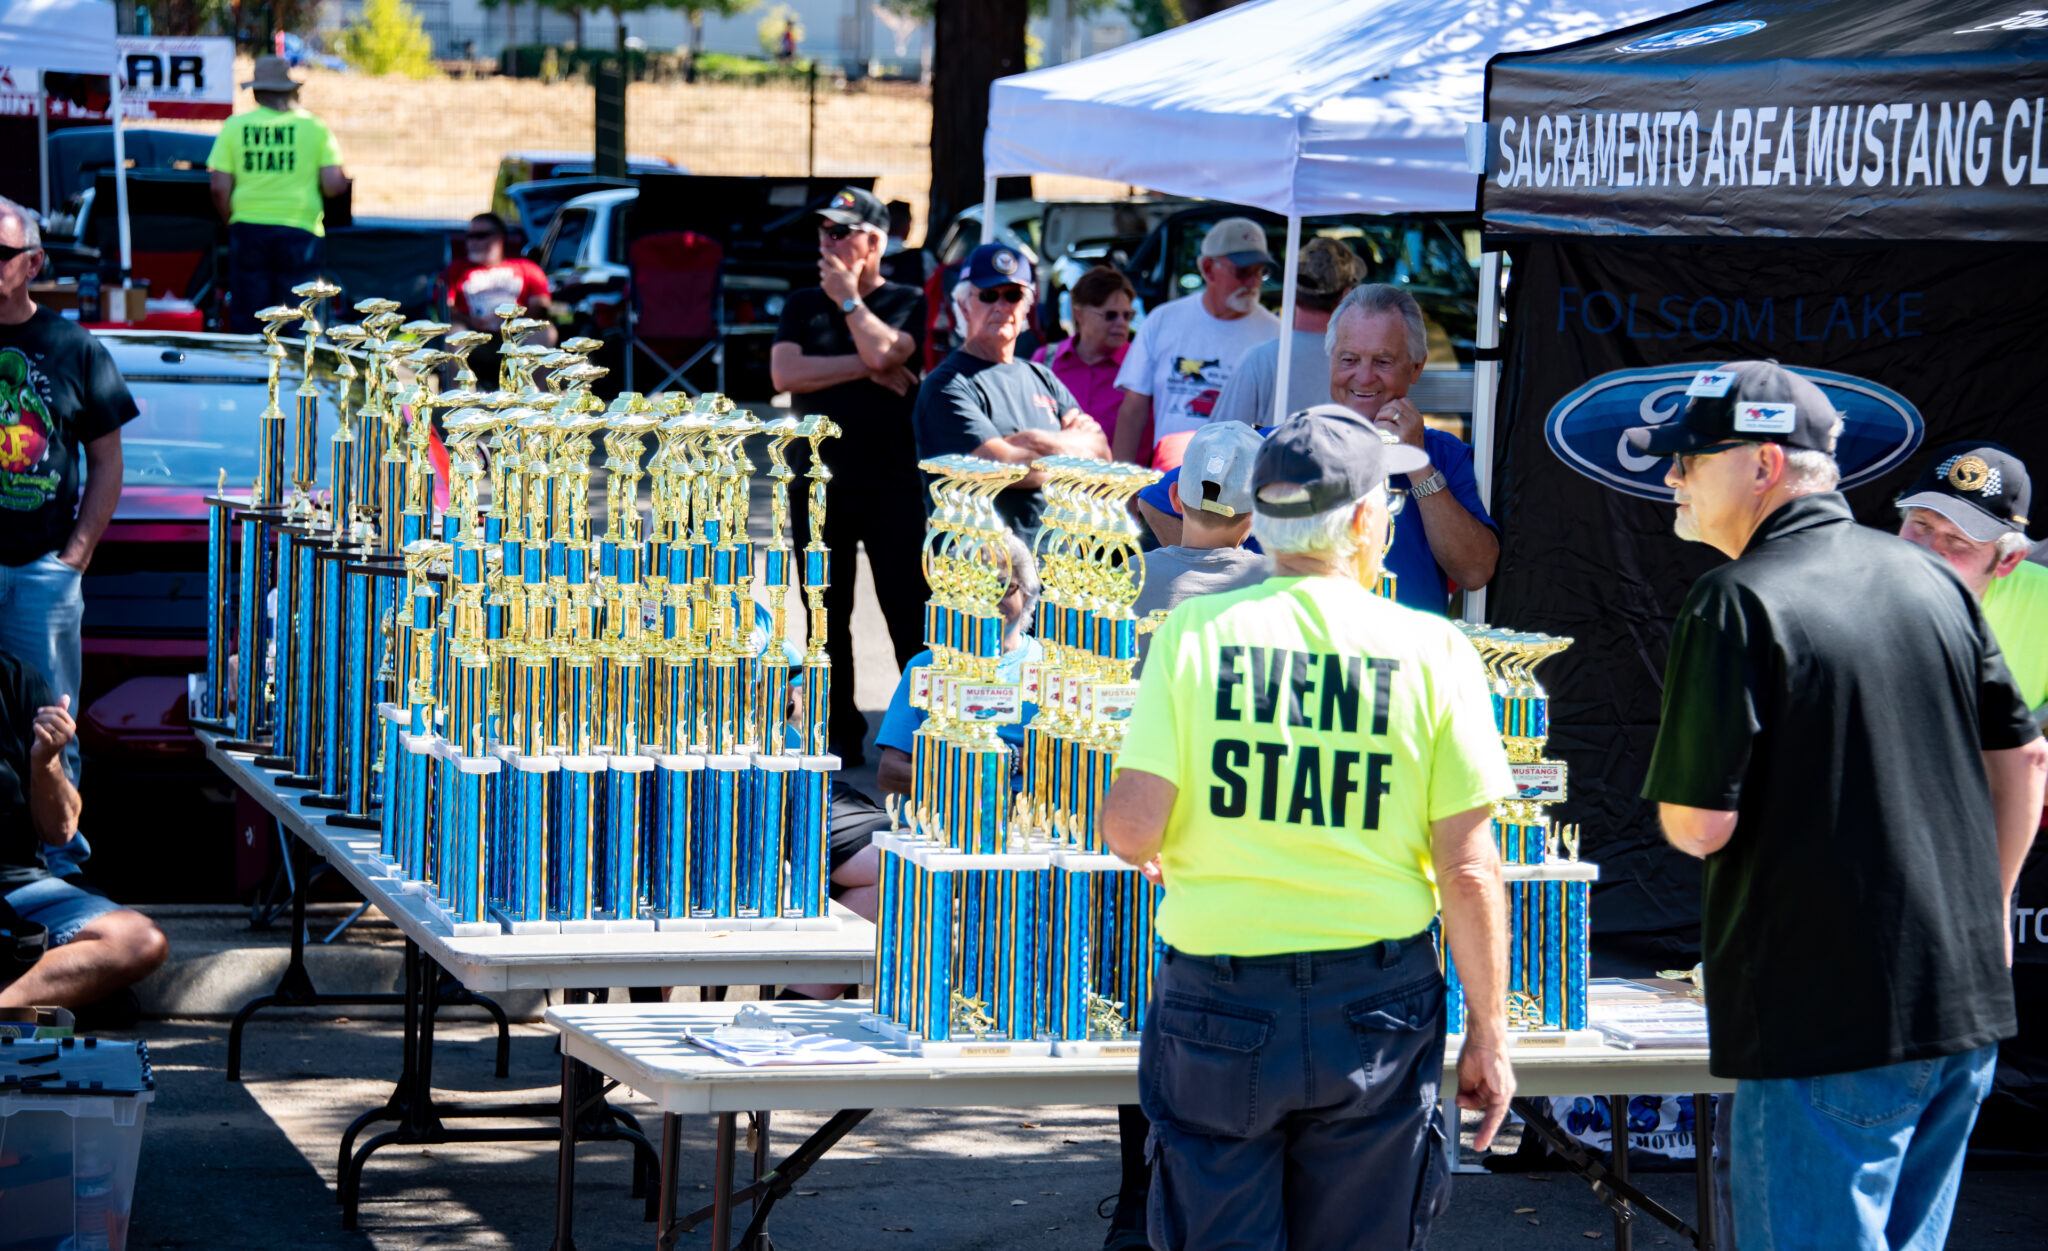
x: 1294, y: 1099
x: 264, y: 264
x: 62, y: 907
x: 41, y: 609
x: 1862, y: 1161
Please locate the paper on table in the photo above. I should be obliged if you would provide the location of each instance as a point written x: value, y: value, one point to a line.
x: 766, y: 1047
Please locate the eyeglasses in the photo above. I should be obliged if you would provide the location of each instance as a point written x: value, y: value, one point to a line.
x: 1711, y: 449
x: 483, y: 234
x: 8, y: 252
x: 1008, y: 295
x: 1113, y: 315
x: 1245, y: 273
x: 835, y: 232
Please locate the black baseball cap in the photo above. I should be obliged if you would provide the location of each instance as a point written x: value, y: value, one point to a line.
x: 851, y: 206
x: 1744, y: 402
x: 1982, y: 487
x: 1332, y: 454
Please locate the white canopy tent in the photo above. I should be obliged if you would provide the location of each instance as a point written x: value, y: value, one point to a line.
x: 71, y: 37
x: 1305, y: 108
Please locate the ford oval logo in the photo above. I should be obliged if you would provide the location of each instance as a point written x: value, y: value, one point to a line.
x: 1880, y: 427
x: 1692, y: 37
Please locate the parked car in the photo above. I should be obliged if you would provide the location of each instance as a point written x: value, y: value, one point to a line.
x: 159, y: 816
x: 534, y: 204
x: 1434, y: 256
x: 537, y: 164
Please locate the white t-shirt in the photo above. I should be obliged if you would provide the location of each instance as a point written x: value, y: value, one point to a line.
x: 1182, y: 357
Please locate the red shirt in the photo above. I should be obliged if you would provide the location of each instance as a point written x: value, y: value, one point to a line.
x: 1093, y: 385
x: 481, y: 288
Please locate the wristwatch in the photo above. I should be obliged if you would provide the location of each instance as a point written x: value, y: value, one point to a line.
x: 1428, y: 486
x: 849, y: 304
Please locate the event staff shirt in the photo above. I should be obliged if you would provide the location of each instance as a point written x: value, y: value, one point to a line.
x: 1183, y: 355
x: 58, y: 389
x: 967, y: 401
x: 481, y: 288
x: 1834, y: 687
x: 2016, y: 606
x: 874, y: 419
x: 276, y: 160
x: 22, y: 691
x: 901, y: 722
x: 1248, y: 396
x: 1314, y: 730
x: 1094, y: 386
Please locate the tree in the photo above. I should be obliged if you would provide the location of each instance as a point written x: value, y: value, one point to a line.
x: 696, y: 10
x: 391, y: 39
x: 974, y: 42
x: 769, y: 30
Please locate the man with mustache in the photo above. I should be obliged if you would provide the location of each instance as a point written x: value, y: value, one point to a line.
x: 1186, y: 350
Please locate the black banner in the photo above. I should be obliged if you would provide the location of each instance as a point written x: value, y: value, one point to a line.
x: 1844, y: 119
x: 1917, y: 345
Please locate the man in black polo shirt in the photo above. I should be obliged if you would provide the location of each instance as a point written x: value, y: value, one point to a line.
x: 847, y: 348
x: 1843, y: 744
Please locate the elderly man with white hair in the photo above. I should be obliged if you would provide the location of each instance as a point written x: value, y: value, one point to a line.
x: 1311, y: 769
x: 983, y: 401
x: 1969, y: 507
x: 1378, y: 345
x: 1843, y: 744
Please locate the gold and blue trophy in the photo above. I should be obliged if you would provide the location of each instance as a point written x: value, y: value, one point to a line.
x: 1549, y: 887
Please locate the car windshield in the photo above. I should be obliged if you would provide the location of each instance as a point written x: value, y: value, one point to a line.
x: 186, y: 434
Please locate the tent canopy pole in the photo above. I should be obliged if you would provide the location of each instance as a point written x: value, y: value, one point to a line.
x: 120, y: 168
x: 988, y: 208
x: 1290, y: 276
x: 43, y: 140
x: 1485, y: 389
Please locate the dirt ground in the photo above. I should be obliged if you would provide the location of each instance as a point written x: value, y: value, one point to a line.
x: 430, y: 148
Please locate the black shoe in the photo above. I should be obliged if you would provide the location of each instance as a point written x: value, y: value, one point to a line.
x: 1127, y: 1230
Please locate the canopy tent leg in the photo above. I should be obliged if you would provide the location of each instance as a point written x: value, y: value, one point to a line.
x: 1485, y: 387
x: 120, y: 173
x: 1290, y: 277
x: 43, y: 140
x: 988, y: 209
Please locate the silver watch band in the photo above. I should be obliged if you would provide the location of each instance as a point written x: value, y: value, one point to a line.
x: 1428, y: 486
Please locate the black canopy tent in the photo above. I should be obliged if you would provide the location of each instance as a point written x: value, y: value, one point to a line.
x: 1856, y: 189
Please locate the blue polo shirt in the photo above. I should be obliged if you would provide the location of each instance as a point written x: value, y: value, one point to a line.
x: 1418, y: 582
x: 901, y: 722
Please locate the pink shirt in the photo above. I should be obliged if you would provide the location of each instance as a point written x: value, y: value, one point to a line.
x: 1093, y: 385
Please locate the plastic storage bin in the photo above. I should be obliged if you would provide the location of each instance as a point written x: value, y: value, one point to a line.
x: 70, y: 1136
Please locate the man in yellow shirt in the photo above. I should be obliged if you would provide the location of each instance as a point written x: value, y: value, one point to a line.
x: 1307, y: 767
x: 1969, y: 507
x: 271, y: 168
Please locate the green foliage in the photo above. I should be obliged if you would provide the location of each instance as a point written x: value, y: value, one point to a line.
x: 769, y: 30
x: 714, y: 8
x: 390, y: 39
x: 723, y: 67
x: 1152, y: 16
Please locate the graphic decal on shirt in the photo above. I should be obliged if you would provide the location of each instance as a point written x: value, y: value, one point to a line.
x: 1320, y: 692
x: 1196, y: 385
x: 490, y: 286
x: 25, y: 429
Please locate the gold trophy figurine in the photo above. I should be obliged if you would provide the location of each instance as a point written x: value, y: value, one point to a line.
x: 306, y: 432
x: 270, y: 461
x: 344, y: 448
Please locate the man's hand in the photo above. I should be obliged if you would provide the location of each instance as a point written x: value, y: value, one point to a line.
x: 897, y: 378
x: 1404, y: 419
x: 77, y: 560
x: 1486, y: 1081
x: 1042, y: 442
x: 1152, y: 872
x: 1075, y: 419
x: 839, y: 282
x: 53, y: 729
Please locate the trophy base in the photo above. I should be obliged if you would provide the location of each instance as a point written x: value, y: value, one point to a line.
x: 957, y: 1049
x: 1125, y: 1048
x: 699, y: 925
x: 212, y: 725
x: 517, y: 927
x: 275, y: 763
x: 298, y: 782
x: 334, y: 802
x: 349, y: 821
x: 1538, y: 1040
x: 244, y: 747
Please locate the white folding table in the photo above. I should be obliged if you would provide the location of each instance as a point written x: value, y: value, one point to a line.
x: 641, y: 1046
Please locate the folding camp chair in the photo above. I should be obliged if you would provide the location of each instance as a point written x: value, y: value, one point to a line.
x: 675, y: 308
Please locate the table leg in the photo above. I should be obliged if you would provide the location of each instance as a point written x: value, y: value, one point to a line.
x: 760, y: 1137
x: 565, y: 1162
x: 1610, y: 1187
x: 401, y: 1091
x: 665, y: 1231
x: 1617, y: 1143
x: 1704, y: 1189
x: 721, y: 1183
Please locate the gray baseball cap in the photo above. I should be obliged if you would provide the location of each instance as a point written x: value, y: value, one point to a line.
x: 1332, y: 455
x: 1216, y: 468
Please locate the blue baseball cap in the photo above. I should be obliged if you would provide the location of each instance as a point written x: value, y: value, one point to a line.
x: 997, y: 265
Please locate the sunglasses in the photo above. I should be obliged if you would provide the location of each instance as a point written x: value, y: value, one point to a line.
x: 836, y: 233
x: 1245, y: 273
x: 1008, y: 295
x: 1711, y: 449
x: 483, y: 234
x: 1109, y: 315
x: 8, y: 252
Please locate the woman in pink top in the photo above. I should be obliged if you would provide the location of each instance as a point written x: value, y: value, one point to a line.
x: 1088, y: 362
